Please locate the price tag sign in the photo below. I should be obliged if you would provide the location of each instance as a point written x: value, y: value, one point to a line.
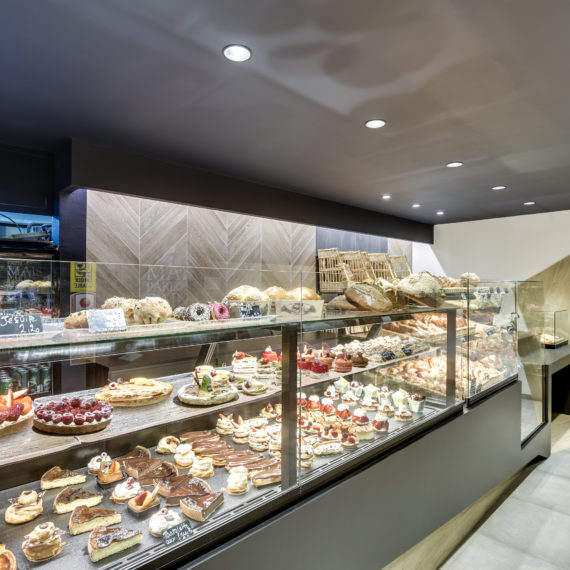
x: 12, y: 323
x: 250, y: 311
x: 106, y: 320
x: 179, y: 533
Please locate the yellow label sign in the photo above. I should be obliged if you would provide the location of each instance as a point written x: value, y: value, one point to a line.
x: 83, y: 277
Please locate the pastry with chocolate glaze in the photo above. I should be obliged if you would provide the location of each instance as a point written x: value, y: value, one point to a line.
x: 43, y: 543
x: 200, y: 508
x: 267, y: 477
x: 105, y: 541
x: 58, y: 477
x: 69, y: 498
x: 136, y: 467
x: 139, y: 452
x: 85, y: 519
x: 161, y: 471
x: 25, y: 508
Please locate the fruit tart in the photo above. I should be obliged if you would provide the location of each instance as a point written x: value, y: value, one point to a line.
x: 134, y: 392
x: 15, y: 411
x: 109, y: 474
x: 25, y: 508
x: 142, y: 503
x: 72, y: 416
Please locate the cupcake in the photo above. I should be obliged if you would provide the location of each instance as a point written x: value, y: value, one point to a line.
x: 270, y: 355
x: 341, y: 385
x: 417, y: 403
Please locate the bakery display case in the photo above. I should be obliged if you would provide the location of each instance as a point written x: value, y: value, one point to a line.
x: 490, y: 346
x: 555, y: 331
x: 173, y: 421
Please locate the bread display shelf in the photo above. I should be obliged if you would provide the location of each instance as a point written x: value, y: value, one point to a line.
x: 28, y: 443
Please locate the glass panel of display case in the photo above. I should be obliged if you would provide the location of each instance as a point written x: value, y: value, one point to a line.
x: 369, y: 379
x: 196, y: 415
x: 530, y: 304
x: 491, y: 354
x: 555, y: 333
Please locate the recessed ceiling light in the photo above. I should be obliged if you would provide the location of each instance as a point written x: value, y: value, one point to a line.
x: 440, y: 212
x: 529, y: 203
x: 499, y: 188
x: 386, y: 196
x: 454, y: 164
x: 375, y: 123
x: 235, y: 52
x: 416, y: 205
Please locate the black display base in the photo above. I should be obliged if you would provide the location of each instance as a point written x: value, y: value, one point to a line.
x: 557, y: 344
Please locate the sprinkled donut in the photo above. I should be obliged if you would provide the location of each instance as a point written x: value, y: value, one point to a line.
x: 220, y: 311
x: 199, y: 312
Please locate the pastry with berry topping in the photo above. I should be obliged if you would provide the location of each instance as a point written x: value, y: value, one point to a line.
x: 15, y: 411
x: 72, y: 416
x: 349, y: 441
x: 319, y: 370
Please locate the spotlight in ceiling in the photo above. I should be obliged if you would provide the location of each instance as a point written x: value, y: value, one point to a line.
x: 386, y: 196
x: 499, y: 188
x: 375, y: 123
x: 416, y: 205
x: 454, y: 164
x: 529, y: 203
x: 440, y: 212
x: 236, y: 52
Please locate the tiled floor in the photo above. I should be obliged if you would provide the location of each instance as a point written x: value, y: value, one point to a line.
x: 531, y: 528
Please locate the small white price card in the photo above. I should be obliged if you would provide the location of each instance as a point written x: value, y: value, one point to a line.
x: 106, y: 320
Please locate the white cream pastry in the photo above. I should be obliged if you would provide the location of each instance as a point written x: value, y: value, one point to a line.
x: 225, y: 425
x: 162, y: 521
x: 203, y: 467
x: 126, y: 490
x: 400, y: 397
x: 371, y: 391
x: 259, y: 439
x: 238, y: 483
x: 167, y: 445
x: 94, y: 465
x: 331, y: 392
x: 184, y: 456
x: 305, y: 454
x: 349, y: 397
x: 241, y: 431
x: 356, y: 388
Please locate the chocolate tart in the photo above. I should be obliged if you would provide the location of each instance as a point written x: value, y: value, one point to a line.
x: 161, y: 471
x: 193, y: 487
x: 69, y: 498
x: 136, y: 467
x: 139, y: 452
x: 85, y: 519
x: 267, y: 477
x: 58, y: 477
x: 105, y: 541
x: 200, y: 508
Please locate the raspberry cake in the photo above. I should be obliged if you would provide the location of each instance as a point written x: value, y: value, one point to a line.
x: 72, y: 416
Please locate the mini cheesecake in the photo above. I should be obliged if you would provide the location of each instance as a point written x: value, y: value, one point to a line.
x: 200, y: 508
x: 69, y: 498
x: 105, y: 541
x: 58, y: 477
x: 85, y: 519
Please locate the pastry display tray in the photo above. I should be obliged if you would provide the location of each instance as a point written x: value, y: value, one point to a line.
x: 75, y: 554
x: 27, y: 443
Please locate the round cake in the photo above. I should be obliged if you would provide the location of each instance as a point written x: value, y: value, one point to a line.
x: 72, y: 416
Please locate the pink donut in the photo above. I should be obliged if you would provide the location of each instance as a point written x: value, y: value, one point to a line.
x: 220, y: 311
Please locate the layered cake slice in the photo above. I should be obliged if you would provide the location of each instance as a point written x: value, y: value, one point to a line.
x: 69, y: 498
x: 105, y: 541
x: 85, y: 519
x: 58, y: 477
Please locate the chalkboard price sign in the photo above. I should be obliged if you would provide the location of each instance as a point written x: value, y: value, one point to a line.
x: 17, y: 323
x: 106, y: 320
x: 179, y: 533
x: 250, y: 311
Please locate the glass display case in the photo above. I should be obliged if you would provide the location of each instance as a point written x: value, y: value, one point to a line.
x: 180, y: 413
x: 555, y: 332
